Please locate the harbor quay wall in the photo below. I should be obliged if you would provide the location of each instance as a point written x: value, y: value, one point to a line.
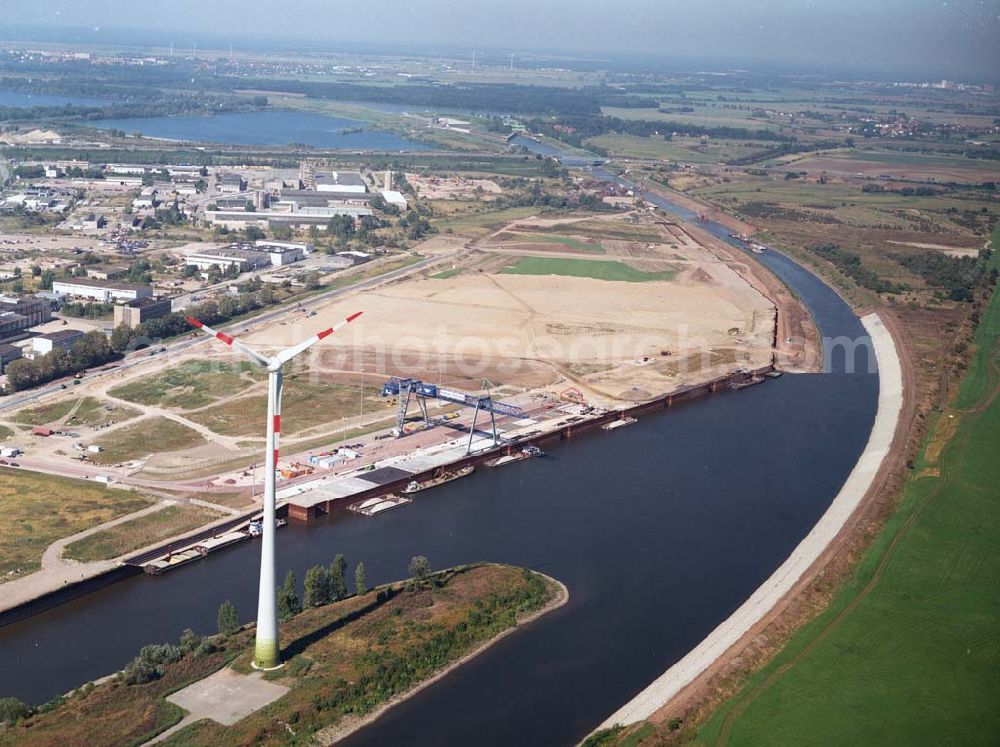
x: 573, y: 425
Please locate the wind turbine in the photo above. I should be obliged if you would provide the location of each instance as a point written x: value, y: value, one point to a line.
x: 266, y: 650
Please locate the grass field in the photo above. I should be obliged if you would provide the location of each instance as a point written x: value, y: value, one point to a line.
x: 304, y: 405
x: 147, y: 436
x: 678, y: 149
x: 343, y: 660
x: 144, y: 530
x: 5, y: 432
x: 188, y: 386
x: 569, y: 241
x: 445, y: 274
x: 479, y: 224
x: 83, y: 411
x: 907, y: 652
x: 584, y: 268
x: 39, y: 509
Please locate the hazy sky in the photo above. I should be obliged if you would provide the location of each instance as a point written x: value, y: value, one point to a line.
x: 957, y: 36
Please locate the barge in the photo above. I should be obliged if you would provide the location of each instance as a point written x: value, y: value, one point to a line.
x: 415, y: 486
x: 620, y: 423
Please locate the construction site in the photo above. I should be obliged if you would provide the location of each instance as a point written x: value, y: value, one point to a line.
x: 529, y: 333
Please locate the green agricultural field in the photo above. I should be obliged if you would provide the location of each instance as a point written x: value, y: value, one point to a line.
x: 568, y: 241
x: 190, y: 385
x: 40, y: 509
x: 139, y: 532
x: 152, y: 435
x: 678, y: 149
x: 907, y: 652
x: 585, y: 268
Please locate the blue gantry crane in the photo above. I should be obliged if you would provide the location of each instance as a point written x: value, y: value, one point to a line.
x: 404, y: 389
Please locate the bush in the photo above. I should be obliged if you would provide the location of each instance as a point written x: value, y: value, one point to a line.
x: 189, y: 641
x: 13, y: 710
x: 148, y: 665
x: 206, y: 647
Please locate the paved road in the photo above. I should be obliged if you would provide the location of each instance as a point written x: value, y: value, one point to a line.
x: 139, y: 357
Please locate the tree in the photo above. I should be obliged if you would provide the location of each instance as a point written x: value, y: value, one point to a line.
x: 227, y: 620
x: 288, y: 598
x: 189, y: 640
x: 338, y: 583
x: 48, y: 277
x: 420, y: 568
x: 121, y: 336
x: 359, y: 580
x: 316, y: 587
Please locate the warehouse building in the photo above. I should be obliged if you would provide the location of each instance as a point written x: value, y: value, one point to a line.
x: 141, y: 310
x: 62, y: 339
x: 341, y: 183
x: 8, y: 353
x: 36, y: 310
x: 240, y: 256
x: 302, y: 218
x: 101, y: 290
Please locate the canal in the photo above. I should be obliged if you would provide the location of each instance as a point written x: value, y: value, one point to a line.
x: 660, y: 530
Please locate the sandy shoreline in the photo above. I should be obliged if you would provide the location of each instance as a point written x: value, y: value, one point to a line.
x: 774, y: 589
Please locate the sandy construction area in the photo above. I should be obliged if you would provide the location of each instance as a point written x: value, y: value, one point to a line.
x: 614, y: 337
x: 453, y: 188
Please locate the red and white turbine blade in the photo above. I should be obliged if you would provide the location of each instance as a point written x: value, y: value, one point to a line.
x: 288, y: 353
x: 252, y: 354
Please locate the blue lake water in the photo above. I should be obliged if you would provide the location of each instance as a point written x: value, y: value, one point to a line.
x: 266, y: 128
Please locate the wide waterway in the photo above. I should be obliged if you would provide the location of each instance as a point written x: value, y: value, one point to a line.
x: 267, y: 128
x: 660, y: 530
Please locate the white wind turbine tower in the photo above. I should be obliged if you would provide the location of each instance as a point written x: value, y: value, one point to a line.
x: 266, y: 649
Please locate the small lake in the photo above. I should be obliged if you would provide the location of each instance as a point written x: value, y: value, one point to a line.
x: 22, y: 100
x: 267, y: 128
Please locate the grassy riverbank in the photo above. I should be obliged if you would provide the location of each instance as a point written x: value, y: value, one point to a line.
x: 344, y: 661
x: 907, y: 651
x: 40, y: 509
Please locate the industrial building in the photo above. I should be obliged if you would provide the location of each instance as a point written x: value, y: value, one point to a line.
x: 62, y: 339
x: 101, y: 290
x: 228, y: 182
x: 8, y: 353
x: 301, y: 218
x: 237, y: 255
x: 12, y: 325
x: 283, y: 252
x: 250, y: 256
x: 392, y: 197
x: 107, y: 273
x: 36, y: 310
x: 141, y: 310
x: 341, y: 183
